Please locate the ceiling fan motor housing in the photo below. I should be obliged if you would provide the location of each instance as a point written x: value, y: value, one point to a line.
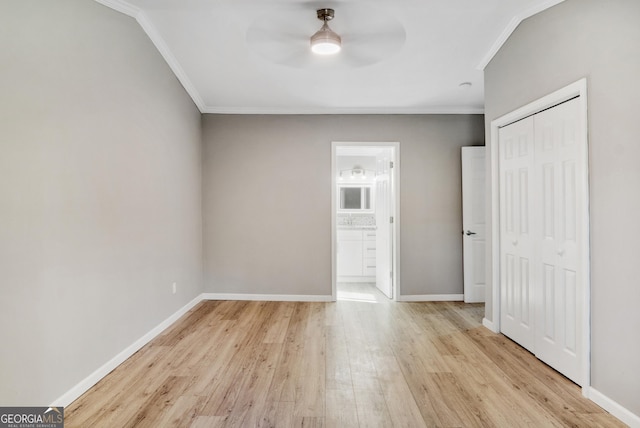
x: 325, y: 14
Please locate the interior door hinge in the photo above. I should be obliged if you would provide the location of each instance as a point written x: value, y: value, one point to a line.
x: 390, y: 219
x: 391, y: 164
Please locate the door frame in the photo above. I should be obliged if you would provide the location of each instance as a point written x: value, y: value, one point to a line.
x: 395, y: 245
x: 576, y: 89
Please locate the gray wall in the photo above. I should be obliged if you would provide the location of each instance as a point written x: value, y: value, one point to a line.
x: 267, y: 199
x: 100, y: 199
x: 599, y: 40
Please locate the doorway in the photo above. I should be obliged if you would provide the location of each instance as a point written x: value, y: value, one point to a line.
x: 365, y: 218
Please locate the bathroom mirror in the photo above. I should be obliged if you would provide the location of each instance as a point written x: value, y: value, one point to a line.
x: 355, y: 198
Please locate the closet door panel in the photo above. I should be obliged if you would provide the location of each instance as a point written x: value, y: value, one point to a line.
x: 557, y: 168
x: 516, y: 163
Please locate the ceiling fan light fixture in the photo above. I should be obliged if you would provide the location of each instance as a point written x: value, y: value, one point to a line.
x: 325, y: 41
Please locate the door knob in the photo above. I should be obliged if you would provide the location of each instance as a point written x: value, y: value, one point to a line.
x: 560, y: 251
x: 470, y: 233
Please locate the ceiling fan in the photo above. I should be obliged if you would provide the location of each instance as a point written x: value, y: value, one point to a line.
x: 366, y: 35
x: 325, y: 41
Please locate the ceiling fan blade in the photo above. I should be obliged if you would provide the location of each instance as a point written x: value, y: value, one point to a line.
x: 266, y: 35
x: 369, y: 47
x: 297, y: 58
x: 377, y: 37
x: 358, y: 58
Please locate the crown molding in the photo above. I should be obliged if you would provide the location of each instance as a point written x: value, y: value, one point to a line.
x: 171, y: 60
x: 510, y: 28
x: 160, y: 44
x: 153, y: 34
x: 121, y: 6
x: 342, y: 110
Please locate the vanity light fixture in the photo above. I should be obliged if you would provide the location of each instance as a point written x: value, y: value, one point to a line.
x: 325, y: 41
x: 357, y: 173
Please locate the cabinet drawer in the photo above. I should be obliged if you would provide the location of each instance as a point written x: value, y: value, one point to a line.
x: 369, y: 235
x: 349, y: 235
x: 369, y: 268
x: 369, y: 272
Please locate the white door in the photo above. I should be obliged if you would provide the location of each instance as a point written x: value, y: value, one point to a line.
x: 560, y: 222
x: 516, y: 246
x: 473, y: 223
x: 384, y: 200
x: 543, y: 206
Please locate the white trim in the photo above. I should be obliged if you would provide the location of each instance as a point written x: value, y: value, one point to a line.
x: 614, y: 408
x: 268, y: 297
x: 83, y: 386
x: 334, y: 229
x: 578, y: 88
x: 431, y: 298
x: 80, y: 388
x: 153, y: 34
x: 160, y: 44
x: 121, y: 6
x: 489, y: 325
x: 510, y: 28
x: 343, y: 110
x: 396, y: 211
x: 137, y: 13
x: 171, y: 60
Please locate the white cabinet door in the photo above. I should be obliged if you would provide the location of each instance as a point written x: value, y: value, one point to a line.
x: 516, y: 251
x: 559, y: 170
x: 349, y: 258
x: 473, y: 223
x: 350, y: 253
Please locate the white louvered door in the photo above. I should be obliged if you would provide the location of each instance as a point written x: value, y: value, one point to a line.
x: 542, y: 205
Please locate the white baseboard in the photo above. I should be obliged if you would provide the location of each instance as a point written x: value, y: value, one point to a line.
x: 614, y: 408
x: 268, y: 297
x: 70, y: 396
x: 84, y: 385
x: 431, y: 298
x: 490, y: 325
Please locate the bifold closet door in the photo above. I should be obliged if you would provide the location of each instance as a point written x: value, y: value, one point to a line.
x: 542, y: 219
x: 517, y: 311
x: 560, y: 221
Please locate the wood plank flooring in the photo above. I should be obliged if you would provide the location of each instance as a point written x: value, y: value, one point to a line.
x: 363, y: 361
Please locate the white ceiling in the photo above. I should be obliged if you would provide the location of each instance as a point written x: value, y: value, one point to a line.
x: 252, y: 56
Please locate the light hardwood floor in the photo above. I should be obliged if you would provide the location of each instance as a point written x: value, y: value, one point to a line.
x: 362, y: 361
